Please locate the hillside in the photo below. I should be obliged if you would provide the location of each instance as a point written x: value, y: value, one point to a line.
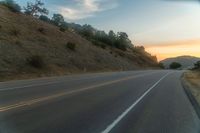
x: 31, y: 48
x: 185, y: 61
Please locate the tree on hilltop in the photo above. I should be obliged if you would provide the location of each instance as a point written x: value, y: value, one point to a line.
x: 34, y: 9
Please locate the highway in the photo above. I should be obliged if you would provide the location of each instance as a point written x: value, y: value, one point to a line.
x: 149, y: 101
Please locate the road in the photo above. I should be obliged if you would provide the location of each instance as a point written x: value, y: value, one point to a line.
x: 151, y: 101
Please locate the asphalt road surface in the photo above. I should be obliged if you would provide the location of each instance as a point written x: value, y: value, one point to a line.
x: 151, y: 101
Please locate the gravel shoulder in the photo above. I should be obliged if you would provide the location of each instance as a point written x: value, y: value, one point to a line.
x: 191, y: 83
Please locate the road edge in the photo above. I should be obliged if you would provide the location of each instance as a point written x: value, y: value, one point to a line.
x: 192, y: 99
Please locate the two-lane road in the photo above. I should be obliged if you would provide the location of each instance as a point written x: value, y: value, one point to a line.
x: 150, y: 101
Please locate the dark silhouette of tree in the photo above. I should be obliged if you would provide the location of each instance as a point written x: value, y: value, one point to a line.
x: 44, y: 18
x: 34, y: 9
x: 112, y: 37
x: 88, y: 31
x: 197, y: 65
x: 123, y: 41
x: 161, y: 65
x: 57, y: 19
x: 175, y: 65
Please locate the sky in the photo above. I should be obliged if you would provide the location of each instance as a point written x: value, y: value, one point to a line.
x: 167, y: 28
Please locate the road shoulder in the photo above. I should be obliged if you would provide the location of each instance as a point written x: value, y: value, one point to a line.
x: 191, y: 85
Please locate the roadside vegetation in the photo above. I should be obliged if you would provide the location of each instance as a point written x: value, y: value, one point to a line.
x: 33, y: 43
x: 175, y: 65
x: 118, y: 40
x: 192, y: 78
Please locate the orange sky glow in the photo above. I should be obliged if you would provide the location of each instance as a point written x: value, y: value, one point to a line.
x: 173, y: 49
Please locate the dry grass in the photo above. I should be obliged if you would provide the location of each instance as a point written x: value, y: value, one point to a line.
x: 193, y: 78
x: 22, y: 36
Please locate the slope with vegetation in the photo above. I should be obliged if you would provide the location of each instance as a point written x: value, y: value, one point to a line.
x: 191, y: 80
x: 31, y: 45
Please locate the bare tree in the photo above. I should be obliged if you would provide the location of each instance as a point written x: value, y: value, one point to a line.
x: 34, y: 9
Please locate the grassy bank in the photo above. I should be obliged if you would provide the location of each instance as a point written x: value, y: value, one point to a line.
x: 193, y: 81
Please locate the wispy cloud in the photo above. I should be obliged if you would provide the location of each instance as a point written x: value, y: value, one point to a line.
x: 86, y: 8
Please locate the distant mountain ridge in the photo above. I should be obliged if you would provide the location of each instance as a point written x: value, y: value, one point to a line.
x: 185, y: 61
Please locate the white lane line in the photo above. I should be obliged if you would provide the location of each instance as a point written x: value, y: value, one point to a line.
x: 119, y: 118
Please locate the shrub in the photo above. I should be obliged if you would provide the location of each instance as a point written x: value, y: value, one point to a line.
x: 15, y: 32
x: 36, y: 61
x: 17, y: 42
x: 41, y: 30
x: 120, y: 46
x: 71, y: 46
x: 62, y: 29
x: 175, y: 65
x: 99, y: 44
x: 14, y: 7
x: 197, y: 65
x: 44, y: 18
x: 161, y: 65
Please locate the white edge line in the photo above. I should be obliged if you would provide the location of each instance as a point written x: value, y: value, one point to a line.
x: 119, y: 118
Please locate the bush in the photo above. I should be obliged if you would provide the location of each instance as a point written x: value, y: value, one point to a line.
x: 120, y: 46
x: 17, y: 42
x: 15, y: 32
x: 36, y: 61
x: 71, y: 46
x: 197, y: 65
x: 161, y: 65
x: 175, y: 65
x: 62, y: 29
x: 44, y: 18
x: 41, y: 30
x: 14, y: 7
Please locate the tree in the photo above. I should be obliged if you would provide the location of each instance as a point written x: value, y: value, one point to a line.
x: 197, y: 65
x: 161, y: 65
x: 112, y: 37
x: 175, y: 65
x: 123, y: 41
x: 44, y: 18
x: 34, y: 9
x: 14, y: 7
x: 57, y: 19
x: 87, y: 31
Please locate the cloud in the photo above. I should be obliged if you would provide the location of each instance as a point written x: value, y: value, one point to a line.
x: 86, y: 8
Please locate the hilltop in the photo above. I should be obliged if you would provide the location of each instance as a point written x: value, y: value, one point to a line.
x: 185, y: 61
x: 30, y: 47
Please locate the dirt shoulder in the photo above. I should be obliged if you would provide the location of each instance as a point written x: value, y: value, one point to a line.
x: 191, y: 83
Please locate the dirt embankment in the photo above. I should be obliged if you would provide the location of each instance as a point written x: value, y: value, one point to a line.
x: 193, y: 81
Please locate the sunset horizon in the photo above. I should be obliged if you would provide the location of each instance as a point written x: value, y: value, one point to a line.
x: 175, y: 49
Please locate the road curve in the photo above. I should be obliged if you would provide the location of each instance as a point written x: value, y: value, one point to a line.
x: 151, y: 101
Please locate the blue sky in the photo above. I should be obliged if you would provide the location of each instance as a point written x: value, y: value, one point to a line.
x: 148, y: 22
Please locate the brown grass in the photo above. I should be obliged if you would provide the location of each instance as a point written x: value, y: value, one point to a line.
x: 22, y: 36
x: 193, y: 78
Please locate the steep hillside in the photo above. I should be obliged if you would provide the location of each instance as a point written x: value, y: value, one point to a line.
x: 31, y: 48
x: 185, y: 61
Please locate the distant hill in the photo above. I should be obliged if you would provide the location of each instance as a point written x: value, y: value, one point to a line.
x: 185, y: 61
x: 30, y: 47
